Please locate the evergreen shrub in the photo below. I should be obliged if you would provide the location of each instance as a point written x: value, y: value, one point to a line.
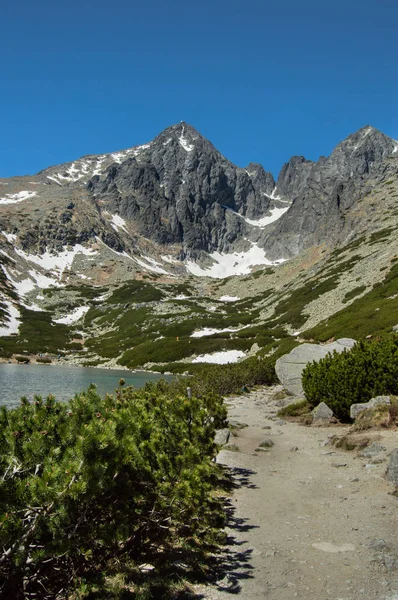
x: 93, y: 484
x: 370, y: 369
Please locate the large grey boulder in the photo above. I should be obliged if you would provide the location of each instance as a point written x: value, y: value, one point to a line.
x: 290, y: 366
x: 355, y: 409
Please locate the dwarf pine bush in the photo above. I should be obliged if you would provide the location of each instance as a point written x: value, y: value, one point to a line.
x: 369, y: 369
x: 94, y: 482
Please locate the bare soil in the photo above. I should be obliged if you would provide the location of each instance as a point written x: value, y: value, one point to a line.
x: 307, y: 520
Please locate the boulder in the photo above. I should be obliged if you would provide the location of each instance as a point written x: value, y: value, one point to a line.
x: 392, y: 469
x: 321, y: 414
x: 355, y: 409
x: 372, y: 450
x: 222, y: 436
x: 290, y: 366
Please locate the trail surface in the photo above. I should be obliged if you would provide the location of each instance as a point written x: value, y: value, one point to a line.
x: 308, y: 521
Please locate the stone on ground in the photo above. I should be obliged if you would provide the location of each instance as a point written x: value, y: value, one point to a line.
x: 355, y: 409
x: 321, y: 414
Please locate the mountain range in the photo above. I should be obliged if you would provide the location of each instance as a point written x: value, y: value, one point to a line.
x: 174, y: 222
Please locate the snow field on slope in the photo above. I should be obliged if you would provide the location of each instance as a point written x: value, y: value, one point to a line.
x: 209, y: 331
x: 18, y: 197
x: 74, y: 316
x: 12, y: 321
x: 57, y: 263
x: 276, y: 214
x: 237, y: 263
x: 220, y: 358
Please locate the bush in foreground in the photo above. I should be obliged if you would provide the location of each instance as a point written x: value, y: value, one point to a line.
x: 369, y: 369
x: 89, y: 486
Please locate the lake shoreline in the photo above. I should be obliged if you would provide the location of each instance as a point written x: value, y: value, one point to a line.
x: 63, y: 383
x: 32, y: 359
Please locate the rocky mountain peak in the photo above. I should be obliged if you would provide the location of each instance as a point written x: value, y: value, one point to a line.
x: 362, y: 149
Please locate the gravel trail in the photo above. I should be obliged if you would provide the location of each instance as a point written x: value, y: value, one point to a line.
x: 307, y: 520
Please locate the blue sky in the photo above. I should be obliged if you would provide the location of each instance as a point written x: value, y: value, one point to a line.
x: 262, y: 80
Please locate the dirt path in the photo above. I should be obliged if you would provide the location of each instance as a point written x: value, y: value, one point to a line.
x: 309, y: 521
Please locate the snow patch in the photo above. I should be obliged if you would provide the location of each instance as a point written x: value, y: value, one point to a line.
x: 209, y: 331
x: 10, y: 237
x: 74, y: 316
x: 118, y: 223
x: 276, y: 214
x: 169, y: 259
x: 18, y: 197
x: 274, y: 195
x: 237, y: 263
x: 220, y: 358
x: 12, y: 321
x: 56, y: 262
x: 229, y: 298
x: 153, y: 265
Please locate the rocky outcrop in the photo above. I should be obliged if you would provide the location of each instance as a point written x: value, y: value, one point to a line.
x: 290, y: 366
x: 356, y: 409
x: 179, y: 190
x: 321, y: 192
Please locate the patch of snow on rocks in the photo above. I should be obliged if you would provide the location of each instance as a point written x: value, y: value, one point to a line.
x: 237, y: 263
x: 74, y: 316
x: 229, y: 298
x: 44, y: 282
x: 274, y: 195
x: 10, y: 237
x: 18, y: 197
x: 118, y: 223
x: 220, y: 358
x: 185, y: 143
x: 209, y: 331
x: 153, y: 266
x: 169, y: 259
x: 33, y: 307
x: 276, y: 214
x: 56, y: 262
x: 12, y: 321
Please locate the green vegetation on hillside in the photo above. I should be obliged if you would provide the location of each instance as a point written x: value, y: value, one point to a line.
x: 374, y: 313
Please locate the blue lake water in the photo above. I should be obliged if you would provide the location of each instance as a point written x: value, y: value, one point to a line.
x: 62, y: 382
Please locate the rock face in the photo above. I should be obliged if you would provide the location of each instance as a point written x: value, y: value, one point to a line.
x: 290, y: 366
x: 178, y: 192
x: 321, y: 192
x: 181, y: 190
x: 356, y: 409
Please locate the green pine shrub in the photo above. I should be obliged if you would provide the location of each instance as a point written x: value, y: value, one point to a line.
x: 341, y: 379
x: 94, y: 485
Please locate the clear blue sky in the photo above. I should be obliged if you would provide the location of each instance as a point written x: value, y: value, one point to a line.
x: 263, y: 80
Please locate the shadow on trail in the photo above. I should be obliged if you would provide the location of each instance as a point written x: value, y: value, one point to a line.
x: 237, y: 477
x: 232, y: 565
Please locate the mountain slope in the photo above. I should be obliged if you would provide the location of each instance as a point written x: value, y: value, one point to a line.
x: 119, y: 259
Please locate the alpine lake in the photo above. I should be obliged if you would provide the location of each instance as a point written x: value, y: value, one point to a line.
x: 63, y: 382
